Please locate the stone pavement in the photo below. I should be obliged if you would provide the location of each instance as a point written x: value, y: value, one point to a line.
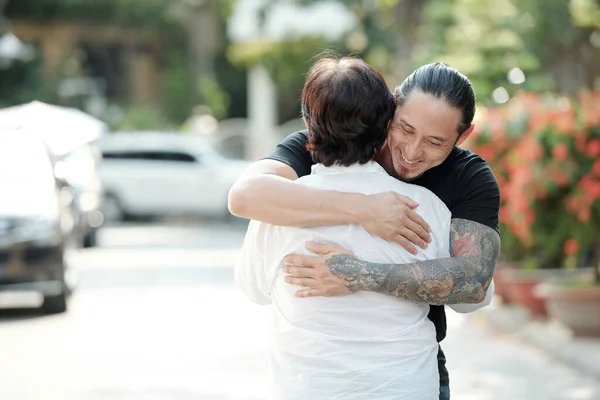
x: 157, y: 316
x: 549, y: 336
x: 487, y: 363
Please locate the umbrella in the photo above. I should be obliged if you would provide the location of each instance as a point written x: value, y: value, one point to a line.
x: 62, y: 128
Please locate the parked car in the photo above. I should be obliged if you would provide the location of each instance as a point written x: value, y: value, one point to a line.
x: 36, y: 226
x: 79, y: 169
x: 67, y: 134
x: 157, y: 174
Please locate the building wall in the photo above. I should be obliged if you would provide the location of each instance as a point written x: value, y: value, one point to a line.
x: 59, y: 41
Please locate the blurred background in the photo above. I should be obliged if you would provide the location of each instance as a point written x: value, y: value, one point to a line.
x: 125, y: 122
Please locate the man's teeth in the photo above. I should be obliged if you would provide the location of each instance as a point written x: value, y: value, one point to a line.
x: 408, y: 162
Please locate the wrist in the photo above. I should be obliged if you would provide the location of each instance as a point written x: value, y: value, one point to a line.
x: 356, y: 208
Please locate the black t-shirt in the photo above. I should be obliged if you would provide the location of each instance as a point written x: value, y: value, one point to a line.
x: 464, y: 182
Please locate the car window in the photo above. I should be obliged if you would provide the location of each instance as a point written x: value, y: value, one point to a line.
x: 151, y: 156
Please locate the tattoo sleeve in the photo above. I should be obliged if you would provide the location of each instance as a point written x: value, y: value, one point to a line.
x: 463, y: 278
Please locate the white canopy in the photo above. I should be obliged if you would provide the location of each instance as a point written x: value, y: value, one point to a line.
x: 62, y: 128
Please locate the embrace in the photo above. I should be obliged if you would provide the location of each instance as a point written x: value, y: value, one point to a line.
x: 364, y: 226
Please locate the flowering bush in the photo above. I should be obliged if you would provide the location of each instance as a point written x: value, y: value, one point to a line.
x: 545, y: 152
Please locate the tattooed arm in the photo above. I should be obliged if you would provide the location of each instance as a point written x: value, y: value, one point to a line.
x: 463, y: 278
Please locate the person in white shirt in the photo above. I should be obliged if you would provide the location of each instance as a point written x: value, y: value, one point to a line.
x: 365, y: 345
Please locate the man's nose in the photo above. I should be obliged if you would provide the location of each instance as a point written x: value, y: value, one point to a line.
x: 413, y: 150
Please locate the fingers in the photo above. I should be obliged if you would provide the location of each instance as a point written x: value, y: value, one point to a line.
x: 405, y: 243
x: 305, y: 282
x: 310, y: 293
x: 325, y: 248
x: 408, y: 201
x: 424, y: 226
x: 302, y: 272
x: 306, y: 261
x: 416, y: 234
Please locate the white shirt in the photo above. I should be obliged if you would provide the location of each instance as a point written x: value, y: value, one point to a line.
x: 361, y: 346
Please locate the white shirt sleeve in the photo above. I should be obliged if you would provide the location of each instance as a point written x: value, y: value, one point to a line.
x: 250, y: 272
x: 467, y: 308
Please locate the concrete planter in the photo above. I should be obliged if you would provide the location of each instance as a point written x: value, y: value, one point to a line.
x: 501, y: 281
x: 575, y: 306
x: 520, y: 286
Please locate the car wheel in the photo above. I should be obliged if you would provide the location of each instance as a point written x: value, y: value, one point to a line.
x: 112, y: 209
x: 90, y: 239
x: 55, y: 304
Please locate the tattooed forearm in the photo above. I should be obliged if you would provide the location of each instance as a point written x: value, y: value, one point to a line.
x: 463, y: 278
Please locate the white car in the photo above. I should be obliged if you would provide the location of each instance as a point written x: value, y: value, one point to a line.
x: 157, y: 174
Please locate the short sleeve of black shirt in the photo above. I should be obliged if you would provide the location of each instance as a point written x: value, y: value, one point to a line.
x: 292, y: 151
x: 466, y: 184
x: 480, y: 201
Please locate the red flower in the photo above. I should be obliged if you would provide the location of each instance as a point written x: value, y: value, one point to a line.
x: 560, y: 152
x: 593, y: 148
x: 571, y: 247
x: 596, y: 168
x: 580, y: 142
x: 561, y: 179
x: 504, y: 214
x: 584, y: 215
x: 487, y: 152
x: 592, y: 190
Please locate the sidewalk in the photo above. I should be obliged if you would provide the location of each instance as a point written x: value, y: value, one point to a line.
x: 551, y: 337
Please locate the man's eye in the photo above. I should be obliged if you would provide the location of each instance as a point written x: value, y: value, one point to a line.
x: 407, y: 131
x: 437, y: 144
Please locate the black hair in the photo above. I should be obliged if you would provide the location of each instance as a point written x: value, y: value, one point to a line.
x: 347, y: 106
x: 445, y: 83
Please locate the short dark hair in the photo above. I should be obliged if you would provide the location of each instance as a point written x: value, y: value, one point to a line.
x: 347, y: 106
x: 445, y: 83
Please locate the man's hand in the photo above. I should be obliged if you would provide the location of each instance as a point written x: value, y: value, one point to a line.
x: 391, y: 216
x: 313, y: 273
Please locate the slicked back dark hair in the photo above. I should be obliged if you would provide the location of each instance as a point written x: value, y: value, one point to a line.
x: 445, y: 83
x: 347, y: 106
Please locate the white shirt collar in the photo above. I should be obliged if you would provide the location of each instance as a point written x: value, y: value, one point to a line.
x: 369, y: 167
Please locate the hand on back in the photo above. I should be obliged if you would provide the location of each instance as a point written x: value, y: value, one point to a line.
x: 391, y: 216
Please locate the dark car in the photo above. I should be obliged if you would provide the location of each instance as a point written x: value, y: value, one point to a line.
x: 36, y: 227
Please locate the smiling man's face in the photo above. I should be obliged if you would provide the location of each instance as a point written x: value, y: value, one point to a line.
x: 422, y: 134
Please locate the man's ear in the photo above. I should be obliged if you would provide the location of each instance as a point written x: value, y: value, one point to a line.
x: 465, y: 135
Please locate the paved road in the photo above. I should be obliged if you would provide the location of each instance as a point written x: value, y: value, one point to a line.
x: 157, y: 317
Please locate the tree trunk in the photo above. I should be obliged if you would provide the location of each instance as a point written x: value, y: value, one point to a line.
x: 4, y: 23
x: 575, y: 69
x: 204, y: 40
x: 409, y: 14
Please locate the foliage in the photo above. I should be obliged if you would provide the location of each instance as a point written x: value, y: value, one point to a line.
x: 177, y: 98
x: 586, y: 12
x: 550, y: 41
x: 138, y: 117
x: 287, y: 61
x: 149, y: 14
x: 23, y: 82
x: 484, y: 40
x: 562, y: 44
x: 214, y: 97
x: 545, y: 152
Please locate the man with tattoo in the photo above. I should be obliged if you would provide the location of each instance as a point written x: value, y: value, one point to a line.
x: 381, y: 347
x: 435, y: 106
